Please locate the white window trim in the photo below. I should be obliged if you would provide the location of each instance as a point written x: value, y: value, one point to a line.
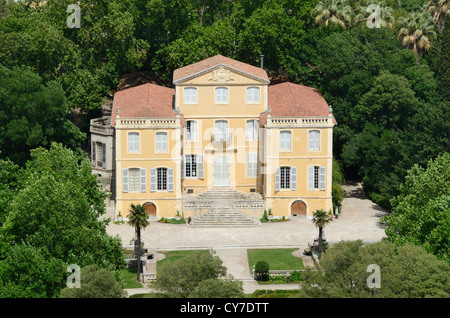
x: 195, y: 138
x: 134, y: 151
x: 159, y: 133
x: 321, y: 176
x: 215, y: 95
x: 225, y: 133
x: 190, y: 88
x: 311, y: 145
x: 255, y: 129
x: 248, y: 89
x: 290, y: 140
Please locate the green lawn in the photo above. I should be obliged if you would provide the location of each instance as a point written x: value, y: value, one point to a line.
x: 278, y: 259
x: 172, y: 256
x: 129, y: 278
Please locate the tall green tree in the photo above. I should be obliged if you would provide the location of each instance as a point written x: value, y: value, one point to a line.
x: 405, y: 271
x: 421, y: 212
x: 32, y: 114
x: 321, y: 218
x: 138, y: 218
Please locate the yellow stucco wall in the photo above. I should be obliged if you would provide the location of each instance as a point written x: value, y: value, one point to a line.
x: 237, y: 112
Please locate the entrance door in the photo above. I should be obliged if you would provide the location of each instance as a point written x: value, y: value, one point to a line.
x: 150, y: 208
x: 221, y: 171
x: 298, y: 208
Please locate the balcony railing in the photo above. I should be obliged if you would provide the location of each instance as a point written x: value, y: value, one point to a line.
x: 221, y: 138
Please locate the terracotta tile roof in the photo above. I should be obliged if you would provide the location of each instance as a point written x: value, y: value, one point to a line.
x: 144, y: 101
x: 189, y: 70
x: 294, y: 100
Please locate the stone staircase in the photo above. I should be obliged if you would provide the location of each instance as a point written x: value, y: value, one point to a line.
x: 222, y: 211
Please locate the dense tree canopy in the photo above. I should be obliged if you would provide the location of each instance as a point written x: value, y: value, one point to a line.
x: 52, y: 213
x: 404, y: 271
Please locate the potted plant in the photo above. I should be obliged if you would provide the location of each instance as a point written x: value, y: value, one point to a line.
x: 270, y: 215
x: 119, y: 217
x: 178, y: 216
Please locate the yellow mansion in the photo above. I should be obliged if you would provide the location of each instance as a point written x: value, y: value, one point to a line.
x: 222, y: 142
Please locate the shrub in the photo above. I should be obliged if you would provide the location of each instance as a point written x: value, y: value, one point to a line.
x: 262, y: 271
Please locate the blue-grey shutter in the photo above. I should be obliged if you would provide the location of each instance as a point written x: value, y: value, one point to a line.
x: 152, y: 179
x: 183, y: 166
x: 277, y: 179
x: 143, y: 180
x: 200, y: 166
x: 311, y: 178
x: 293, y: 178
x: 170, y: 179
x: 124, y: 180
x: 322, y: 178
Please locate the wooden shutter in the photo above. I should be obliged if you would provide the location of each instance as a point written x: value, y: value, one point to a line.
x: 124, y: 180
x: 143, y: 181
x: 293, y: 178
x: 170, y: 179
x: 200, y: 168
x: 311, y: 178
x: 322, y: 178
x: 277, y: 179
x: 152, y: 179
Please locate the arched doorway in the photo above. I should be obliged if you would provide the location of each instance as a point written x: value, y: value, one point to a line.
x: 150, y: 208
x: 298, y: 208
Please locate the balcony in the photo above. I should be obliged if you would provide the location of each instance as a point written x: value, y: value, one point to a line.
x: 221, y: 140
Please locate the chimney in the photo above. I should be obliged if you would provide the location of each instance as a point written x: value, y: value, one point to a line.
x: 262, y: 60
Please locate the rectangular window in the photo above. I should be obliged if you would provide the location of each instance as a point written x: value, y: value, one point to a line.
x: 161, y: 142
x: 101, y: 154
x: 221, y: 129
x: 314, y: 140
x: 285, y: 175
x: 161, y: 178
x: 190, y: 95
x: 252, y: 130
x: 191, y: 165
x: 133, y: 142
x: 285, y: 140
x: 191, y: 130
x: 221, y: 95
x: 252, y: 165
x: 253, y: 95
x: 316, y: 178
x: 134, y: 179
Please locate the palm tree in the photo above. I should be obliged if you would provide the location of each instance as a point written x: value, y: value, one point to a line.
x: 336, y: 12
x: 417, y: 32
x: 439, y: 9
x: 138, y: 219
x: 320, y: 219
x: 386, y: 13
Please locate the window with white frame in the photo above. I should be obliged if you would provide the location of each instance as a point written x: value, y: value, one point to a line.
x: 285, y: 140
x: 253, y: 95
x: 285, y: 178
x: 190, y: 95
x: 316, y: 178
x: 161, y: 142
x: 252, y: 130
x: 221, y: 95
x: 252, y: 165
x: 134, y: 180
x: 314, y: 140
x: 191, y: 130
x: 191, y: 166
x: 133, y: 142
x: 161, y: 178
x: 221, y: 129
